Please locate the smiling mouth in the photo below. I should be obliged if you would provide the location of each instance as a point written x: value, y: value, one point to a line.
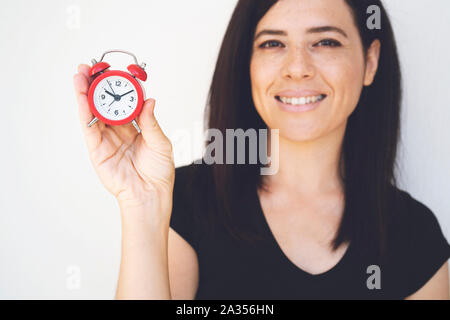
x: 301, y: 101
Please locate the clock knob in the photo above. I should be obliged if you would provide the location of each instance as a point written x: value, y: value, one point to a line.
x: 137, y: 71
x: 98, y: 67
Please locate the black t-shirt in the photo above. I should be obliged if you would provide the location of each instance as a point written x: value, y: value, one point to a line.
x: 232, y: 269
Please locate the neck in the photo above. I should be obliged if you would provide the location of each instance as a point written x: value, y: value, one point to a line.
x: 310, y: 167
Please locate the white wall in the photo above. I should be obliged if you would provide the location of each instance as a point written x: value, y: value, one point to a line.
x: 56, y: 217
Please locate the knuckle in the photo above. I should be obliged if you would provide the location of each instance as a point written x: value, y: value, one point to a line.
x: 153, y: 126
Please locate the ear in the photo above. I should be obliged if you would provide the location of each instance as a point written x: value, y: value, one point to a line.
x: 372, y: 58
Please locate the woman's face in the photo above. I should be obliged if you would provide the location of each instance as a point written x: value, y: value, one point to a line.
x: 309, y: 51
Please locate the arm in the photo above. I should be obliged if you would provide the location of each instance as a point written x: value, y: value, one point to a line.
x: 144, y: 264
x: 437, y: 288
x: 183, y: 268
x: 138, y: 169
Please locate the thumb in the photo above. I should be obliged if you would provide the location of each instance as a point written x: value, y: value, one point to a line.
x: 150, y: 129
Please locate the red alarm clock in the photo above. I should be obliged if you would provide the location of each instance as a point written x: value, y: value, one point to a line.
x: 116, y: 97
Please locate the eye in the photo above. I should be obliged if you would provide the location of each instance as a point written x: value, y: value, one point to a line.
x: 270, y: 44
x: 328, y: 43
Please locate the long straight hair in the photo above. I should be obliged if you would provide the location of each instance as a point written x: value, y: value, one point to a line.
x: 370, y: 141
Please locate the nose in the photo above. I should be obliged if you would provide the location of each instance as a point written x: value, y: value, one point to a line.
x: 298, y: 64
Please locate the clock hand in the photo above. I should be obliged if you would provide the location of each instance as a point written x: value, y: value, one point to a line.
x: 112, y: 95
x: 112, y: 103
x: 111, y: 87
x: 126, y: 93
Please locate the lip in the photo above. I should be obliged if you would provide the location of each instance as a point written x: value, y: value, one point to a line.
x: 299, y: 108
x: 298, y: 93
x: 292, y: 108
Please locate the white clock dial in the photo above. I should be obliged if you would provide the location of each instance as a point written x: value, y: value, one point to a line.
x: 115, y: 98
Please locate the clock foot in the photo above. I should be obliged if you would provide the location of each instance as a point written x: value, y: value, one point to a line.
x: 136, y: 126
x: 92, y: 122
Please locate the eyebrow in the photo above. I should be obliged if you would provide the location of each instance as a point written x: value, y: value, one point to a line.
x: 310, y: 30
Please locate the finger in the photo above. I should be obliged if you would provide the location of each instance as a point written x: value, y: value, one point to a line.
x: 151, y: 131
x: 81, y: 88
x: 126, y: 132
x: 84, y: 70
x: 92, y: 134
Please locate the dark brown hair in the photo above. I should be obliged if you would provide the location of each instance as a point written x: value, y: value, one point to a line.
x: 370, y: 142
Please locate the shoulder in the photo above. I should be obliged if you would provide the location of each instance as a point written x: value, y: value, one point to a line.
x: 417, y: 246
x: 411, y: 217
x: 192, y: 179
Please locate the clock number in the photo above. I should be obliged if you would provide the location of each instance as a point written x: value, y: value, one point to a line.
x: 103, y: 97
x: 116, y: 112
x: 131, y: 99
x: 118, y: 83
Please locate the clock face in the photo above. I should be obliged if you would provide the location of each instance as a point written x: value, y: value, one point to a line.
x: 115, y: 98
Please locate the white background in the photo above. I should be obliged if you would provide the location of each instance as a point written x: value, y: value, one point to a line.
x: 57, y: 221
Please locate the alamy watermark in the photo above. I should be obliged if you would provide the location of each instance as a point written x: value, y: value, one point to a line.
x: 374, y: 280
x: 73, y: 279
x: 234, y: 146
x: 73, y: 17
x: 374, y: 21
x: 235, y: 140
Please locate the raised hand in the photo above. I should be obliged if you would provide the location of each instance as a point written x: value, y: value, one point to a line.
x: 138, y: 169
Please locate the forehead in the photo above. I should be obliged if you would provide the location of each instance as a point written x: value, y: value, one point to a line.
x: 299, y: 15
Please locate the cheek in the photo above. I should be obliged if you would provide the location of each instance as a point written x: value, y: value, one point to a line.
x: 262, y: 75
x: 345, y: 77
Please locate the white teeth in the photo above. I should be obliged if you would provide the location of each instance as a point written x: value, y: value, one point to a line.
x: 302, y: 100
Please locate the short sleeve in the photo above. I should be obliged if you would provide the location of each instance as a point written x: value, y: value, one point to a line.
x: 182, y: 219
x: 427, y: 248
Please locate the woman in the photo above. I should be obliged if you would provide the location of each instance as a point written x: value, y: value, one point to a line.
x: 331, y: 223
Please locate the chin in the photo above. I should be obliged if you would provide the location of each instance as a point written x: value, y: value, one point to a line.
x: 299, y: 134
